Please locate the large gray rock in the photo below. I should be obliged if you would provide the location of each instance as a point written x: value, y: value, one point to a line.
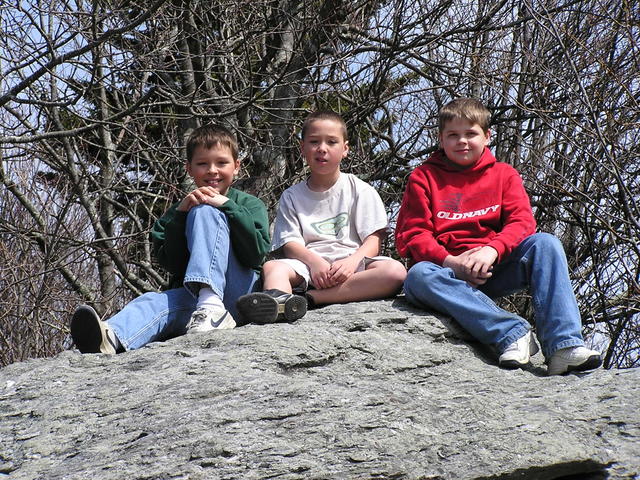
x: 373, y: 390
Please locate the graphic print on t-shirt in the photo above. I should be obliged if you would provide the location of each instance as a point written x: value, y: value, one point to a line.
x: 333, y: 225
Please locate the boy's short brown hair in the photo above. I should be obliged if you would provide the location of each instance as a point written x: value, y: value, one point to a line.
x: 209, y: 136
x: 469, y: 109
x: 325, y: 115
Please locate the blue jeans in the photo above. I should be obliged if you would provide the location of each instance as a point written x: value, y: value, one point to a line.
x: 158, y: 316
x: 539, y: 263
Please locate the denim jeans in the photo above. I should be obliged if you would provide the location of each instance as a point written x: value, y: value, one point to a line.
x: 539, y: 263
x: 158, y: 316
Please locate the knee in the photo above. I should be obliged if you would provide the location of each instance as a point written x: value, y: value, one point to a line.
x: 547, y: 243
x: 275, y: 268
x: 396, y: 271
x: 205, y: 211
x: 395, y: 274
x: 420, y: 275
x: 269, y: 267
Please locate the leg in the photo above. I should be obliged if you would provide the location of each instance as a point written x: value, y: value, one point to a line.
x: 153, y: 317
x: 280, y: 276
x: 207, y: 232
x: 431, y: 286
x: 159, y: 316
x: 213, y: 264
x: 380, y: 279
x: 540, y: 264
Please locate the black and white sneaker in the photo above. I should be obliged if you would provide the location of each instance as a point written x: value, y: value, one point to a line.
x: 89, y: 333
x: 271, y: 306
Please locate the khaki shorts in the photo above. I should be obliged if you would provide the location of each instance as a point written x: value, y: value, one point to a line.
x: 301, y: 269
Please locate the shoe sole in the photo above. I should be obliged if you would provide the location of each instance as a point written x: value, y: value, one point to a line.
x: 591, y: 363
x: 294, y: 308
x: 513, y: 364
x: 88, y: 333
x: 262, y: 308
x: 258, y: 308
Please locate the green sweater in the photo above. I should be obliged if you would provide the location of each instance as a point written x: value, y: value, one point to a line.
x: 249, y: 232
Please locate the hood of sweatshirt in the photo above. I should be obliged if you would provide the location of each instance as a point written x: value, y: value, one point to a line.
x: 440, y: 160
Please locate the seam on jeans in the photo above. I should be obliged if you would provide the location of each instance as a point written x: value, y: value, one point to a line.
x: 216, y: 243
x: 514, y: 334
x: 203, y: 280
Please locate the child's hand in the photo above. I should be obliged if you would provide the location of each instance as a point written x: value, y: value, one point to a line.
x: 320, y: 273
x: 342, y: 269
x: 473, y: 270
x: 201, y: 196
x: 478, y: 264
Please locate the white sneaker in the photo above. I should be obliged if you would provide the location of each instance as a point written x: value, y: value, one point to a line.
x: 519, y: 353
x: 573, y: 359
x: 206, y: 319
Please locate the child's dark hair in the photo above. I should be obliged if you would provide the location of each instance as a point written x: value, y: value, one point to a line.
x: 469, y: 109
x: 324, y: 115
x: 209, y: 136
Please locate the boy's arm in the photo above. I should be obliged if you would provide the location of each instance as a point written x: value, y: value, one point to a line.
x: 342, y: 269
x: 318, y: 266
x: 169, y: 241
x: 415, y: 237
x: 516, y: 216
x: 249, y: 228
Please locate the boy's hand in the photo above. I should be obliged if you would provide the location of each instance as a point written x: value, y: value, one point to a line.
x: 473, y: 266
x: 201, y: 196
x: 478, y: 264
x: 342, y: 269
x: 319, y: 269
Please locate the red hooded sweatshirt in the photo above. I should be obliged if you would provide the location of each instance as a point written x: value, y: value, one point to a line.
x: 447, y: 211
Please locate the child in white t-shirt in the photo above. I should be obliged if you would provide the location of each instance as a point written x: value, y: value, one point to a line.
x: 327, y: 236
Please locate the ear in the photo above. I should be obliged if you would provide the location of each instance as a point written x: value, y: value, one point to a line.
x: 346, y: 150
x: 236, y: 168
x: 187, y: 167
x: 487, y: 137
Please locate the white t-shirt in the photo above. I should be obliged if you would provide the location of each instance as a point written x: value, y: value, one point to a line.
x: 333, y: 223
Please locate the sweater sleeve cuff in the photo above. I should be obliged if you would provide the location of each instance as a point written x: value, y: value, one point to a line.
x: 498, y: 247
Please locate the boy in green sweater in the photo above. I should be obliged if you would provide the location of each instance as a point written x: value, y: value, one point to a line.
x: 212, y: 242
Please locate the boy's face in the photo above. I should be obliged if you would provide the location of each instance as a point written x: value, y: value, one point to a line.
x: 324, y: 146
x: 213, y: 167
x: 463, y: 142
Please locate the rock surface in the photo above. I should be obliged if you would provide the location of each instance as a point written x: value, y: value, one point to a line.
x: 372, y: 390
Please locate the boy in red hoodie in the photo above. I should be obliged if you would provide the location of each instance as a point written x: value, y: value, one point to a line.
x: 466, y: 222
